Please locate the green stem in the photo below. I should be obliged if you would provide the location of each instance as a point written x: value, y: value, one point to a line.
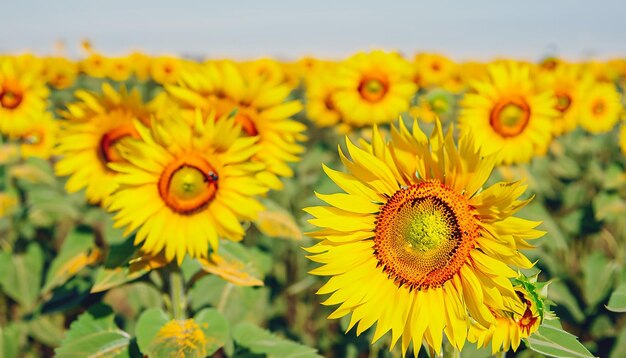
x: 177, y: 293
x: 450, y: 351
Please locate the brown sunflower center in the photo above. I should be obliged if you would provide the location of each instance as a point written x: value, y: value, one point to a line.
x: 510, y: 117
x: 11, y: 95
x: 329, y: 103
x: 424, y: 235
x: 109, y: 148
x: 563, y: 102
x: 528, y: 320
x: 188, y: 184
x: 598, y: 107
x: 373, y: 89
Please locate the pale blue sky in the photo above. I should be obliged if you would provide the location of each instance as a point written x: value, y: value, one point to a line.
x: 289, y: 28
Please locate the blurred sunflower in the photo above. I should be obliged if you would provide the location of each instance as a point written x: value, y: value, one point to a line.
x: 432, y: 105
x: 59, y: 72
x: 432, y: 69
x: 508, y: 115
x: 39, y: 138
x: 23, y: 96
x: 567, y: 86
x: 320, y: 106
x: 601, y: 108
x: 373, y: 88
x: 263, y: 109
x: 166, y: 69
x: 90, y: 138
x: 118, y: 68
x: 183, y: 187
x: 266, y: 69
x: 95, y: 65
x: 414, y: 244
x: 509, y: 328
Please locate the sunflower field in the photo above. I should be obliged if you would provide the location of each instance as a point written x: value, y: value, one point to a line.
x: 381, y: 205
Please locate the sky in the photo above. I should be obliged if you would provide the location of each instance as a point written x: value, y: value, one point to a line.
x: 288, y: 29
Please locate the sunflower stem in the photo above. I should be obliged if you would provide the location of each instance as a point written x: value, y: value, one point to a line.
x: 450, y: 351
x: 177, y: 293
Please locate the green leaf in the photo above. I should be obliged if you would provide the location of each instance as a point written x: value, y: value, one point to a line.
x: 619, y: 348
x: 109, y: 278
x: 48, y: 329
x: 555, y: 342
x: 608, y: 206
x: 148, y: 325
x: 23, y: 279
x: 9, y: 341
x: 215, y: 328
x: 154, y: 342
x: 72, y: 257
x: 261, y: 341
x: 554, y: 238
x: 617, y: 301
x: 561, y: 294
x: 94, y: 334
x: 597, y: 274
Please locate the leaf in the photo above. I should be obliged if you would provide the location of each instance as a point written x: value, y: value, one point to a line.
x: 619, y: 348
x: 23, y: 279
x: 617, y: 301
x: 554, y: 237
x: 109, y: 278
x: 561, y: 294
x: 261, y: 341
x: 148, y: 325
x: 76, y: 253
x: 158, y: 335
x: 278, y: 223
x: 94, y: 334
x: 131, y: 299
x: 597, y: 274
x: 231, y: 270
x: 555, y: 342
x: 608, y: 206
x: 9, y: 341
x: 215, y: 328
x: 48, y: 329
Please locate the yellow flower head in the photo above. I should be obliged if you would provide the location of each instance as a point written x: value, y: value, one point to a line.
x: 90, y: 138
x: 373, y: 88
x: 601, y: 108
x: 432, y: 69
x: 508, y: 115
x: 166, y: 69
x: 39, y: 138
x: 320, y: 102
x: 568, y: 87
x: 59, y: 72
x: 23, y: 96
x: 415, y: 244
x: 182, y: 338
x: 261, y: 108
x: 182, y: 187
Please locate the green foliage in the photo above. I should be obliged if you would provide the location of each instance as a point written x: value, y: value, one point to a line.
x: 617, y: 302
x: 95, y: 334
x: 260, y: 341
x: 553, y: 341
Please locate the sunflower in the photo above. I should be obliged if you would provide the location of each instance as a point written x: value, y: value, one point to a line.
x: 166, y: 69
x: 23, y: 96
x: 39, y: 138
x: 119, y: 68
x: 373, y: 88
x: 59, y: 72
x: 414, y: 243
x: 432, y: 105
x: 508, y: 115
x: 262, y: 109
x: 432, y: 69
x: 95, y: 65
x: 601, y: 108
x: 510, y: 328
x: 194, y: 184
x: 320, y: 106
x: 89, y: 138
x: 567, y: 86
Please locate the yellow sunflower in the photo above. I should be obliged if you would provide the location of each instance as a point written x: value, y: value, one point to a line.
x: 567, y: 86
x: 509, y: 328
x: 39, y: 138
x: 601, y: 108
x: 23, y: 96
x: 432, y: 69
x: 59, y: 72
x: 166, y: 69
x: 262, y: 109
x: 183, y: 186
x: 90, y: 138
x: 320, y: 106
x: 415, y: 244
x: 508, y: 115
x: 373, y: 88
x: 95, y: 65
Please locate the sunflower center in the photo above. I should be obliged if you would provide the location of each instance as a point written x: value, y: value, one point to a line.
x: 373, y: 89
x: 10, y: 96
x: 598, y: 107
x: 424, y: 235
x: 109, y: 143
x: 329, y: 103
x: 188, y: 184
x: 563, y: 102
x: 510, y: 117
